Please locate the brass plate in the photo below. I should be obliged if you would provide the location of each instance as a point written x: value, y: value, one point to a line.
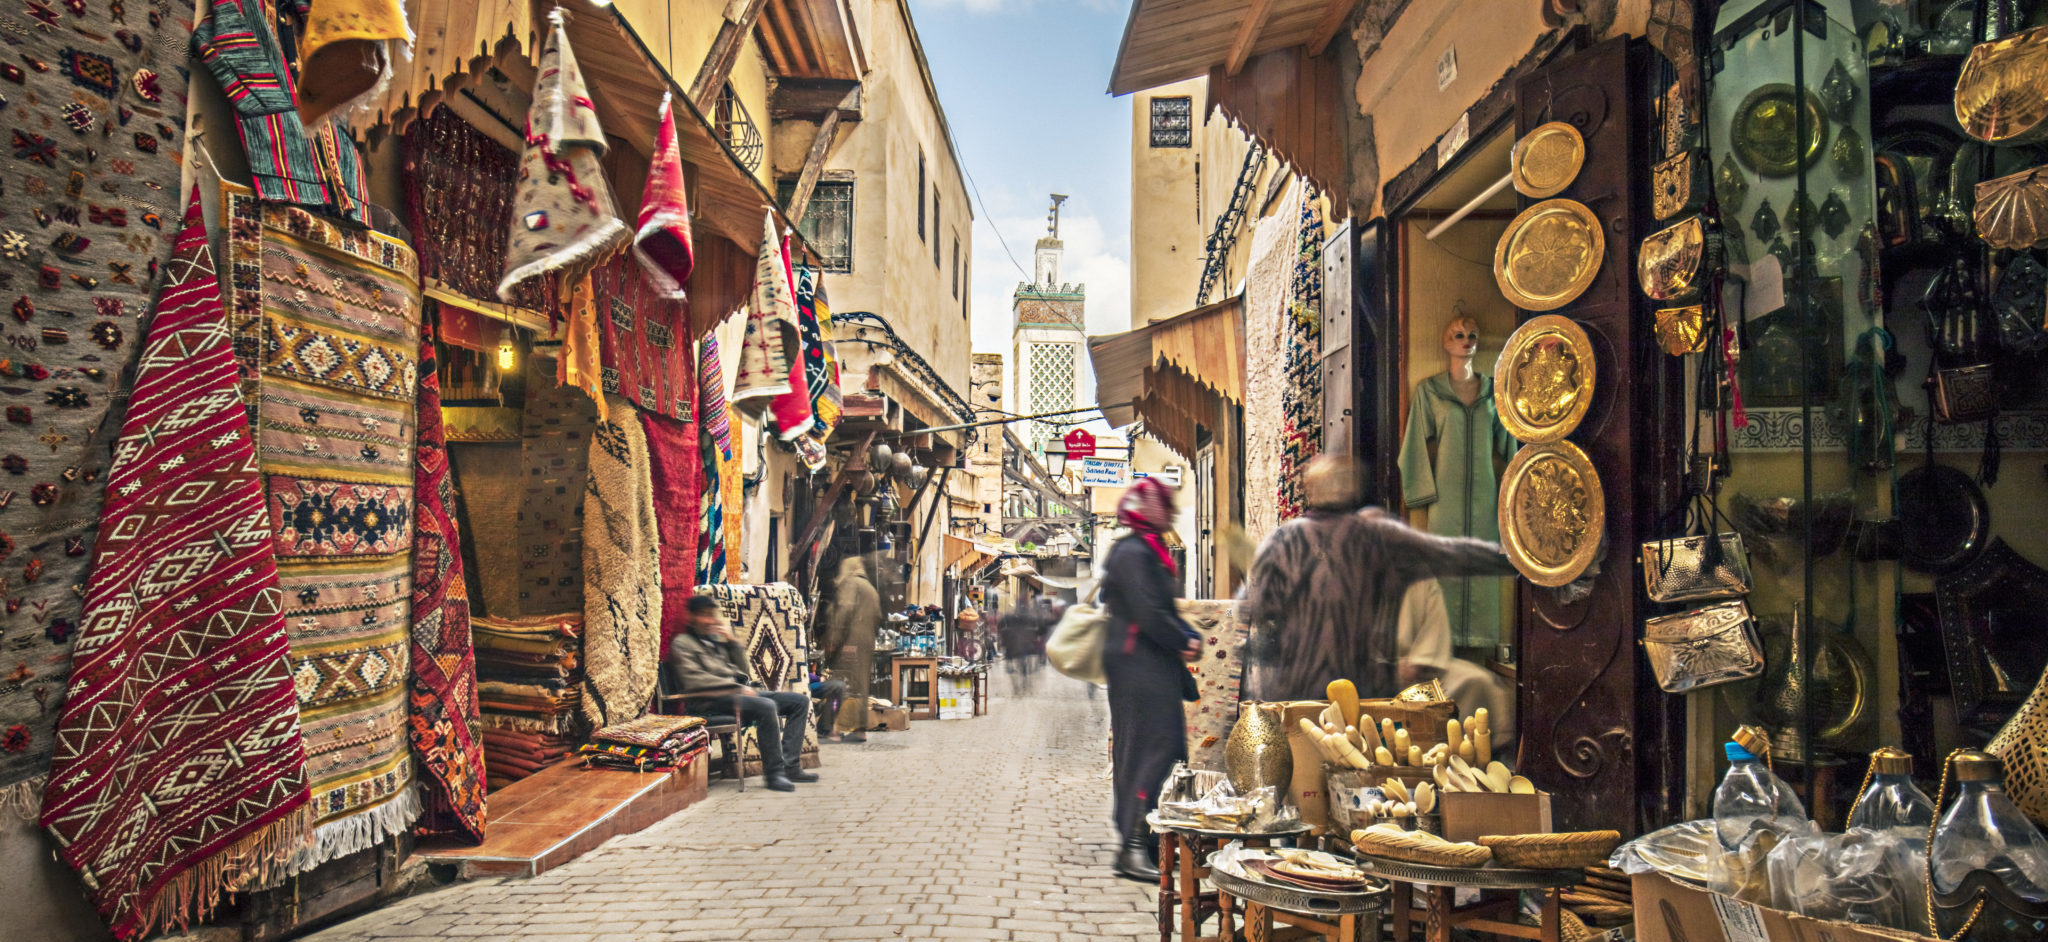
x: 1670, y: 262
x: 1549, y: 254
x: 1547, y: 160
x: 1543, y: 381
x: 2002, y: 94
x: 1551, y: 512
x: 1763, y: 129
x: 1682, y: 330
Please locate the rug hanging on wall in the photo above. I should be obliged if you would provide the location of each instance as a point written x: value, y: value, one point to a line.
x: 82, y: 282
x: 554, y: 459
x: 330, y: 320
x: 179, y: 764
x: 643, y: 340
x: 676, y: 460
x: 442, y: 705
x: 1301, y: 404
x: 1218, y: 677
x: 1268, y: 291
x: 621, y: 574
x: 714, y: 444
x: 768, y: 620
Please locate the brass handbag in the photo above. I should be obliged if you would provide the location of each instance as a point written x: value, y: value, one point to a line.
x: 1677, y: 184
x: 1693, y: 568
x: 1674, y: 262
x: 2022, y: 744
x: 1703, y: 647
x: 1964, y: 394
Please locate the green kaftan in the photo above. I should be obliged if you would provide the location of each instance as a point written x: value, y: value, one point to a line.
x: 1447, y: 465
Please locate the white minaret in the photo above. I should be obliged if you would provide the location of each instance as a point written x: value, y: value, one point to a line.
x: 1049, y: 336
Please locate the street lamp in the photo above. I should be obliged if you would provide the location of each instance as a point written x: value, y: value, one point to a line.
x: 1056, y: 457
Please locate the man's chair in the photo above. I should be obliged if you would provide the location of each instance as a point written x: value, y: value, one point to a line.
x: 727, y: 730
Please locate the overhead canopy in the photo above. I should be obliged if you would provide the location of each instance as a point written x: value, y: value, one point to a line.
x: 1174, y: 373
x: 1171, y: 40
x: 812, y: 39
x: 967, y: 553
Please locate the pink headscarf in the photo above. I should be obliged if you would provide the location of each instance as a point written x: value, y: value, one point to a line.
x: 1147, y: 508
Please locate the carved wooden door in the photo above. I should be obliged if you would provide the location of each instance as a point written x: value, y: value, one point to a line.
x: 1594, y: 729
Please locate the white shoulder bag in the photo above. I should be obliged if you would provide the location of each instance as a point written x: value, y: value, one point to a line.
x: 1075, y: 647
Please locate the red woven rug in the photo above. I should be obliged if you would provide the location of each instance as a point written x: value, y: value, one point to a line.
x: 443, y: 708
x: 180, y: 770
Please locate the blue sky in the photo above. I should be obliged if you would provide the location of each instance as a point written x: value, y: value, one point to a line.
x: 1022, y: 82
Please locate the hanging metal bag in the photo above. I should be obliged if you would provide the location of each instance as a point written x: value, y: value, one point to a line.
x: 1706, y: 646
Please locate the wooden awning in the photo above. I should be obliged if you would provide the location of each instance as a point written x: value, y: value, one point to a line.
x: 1172, y: 40
x: 1175, y: 374
x: 812, y: 39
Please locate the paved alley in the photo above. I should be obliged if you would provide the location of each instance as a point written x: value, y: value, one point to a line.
x: 991, y: 828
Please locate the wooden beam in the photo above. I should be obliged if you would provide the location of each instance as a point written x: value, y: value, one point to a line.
x: 1327, y: 28
x: 740, y: 16
x: 917, y: 545
x: 807, y: 99
x: 814, y: 164
x: 1247, y: 33
x: 857, y: 462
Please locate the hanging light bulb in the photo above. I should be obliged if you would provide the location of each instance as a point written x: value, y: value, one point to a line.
x: 508, y: 357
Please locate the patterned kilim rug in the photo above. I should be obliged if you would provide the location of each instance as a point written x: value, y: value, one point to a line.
x: 1301, y: 427
x: 334, y: 336
x: 179, y: 764
x: 1218, y: 677
x: 96, y: 125
x: 644, y: 340
x: 676, y: 461
x: 714, y: 444
x: 621, y: 574
x: 443, y: 698
x: 769, y: 621
x: 554, y: 459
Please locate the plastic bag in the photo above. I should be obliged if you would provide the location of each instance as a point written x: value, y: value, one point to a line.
x: 1862, y: 876
x: 1221, y: 808
x: 1682, y: 852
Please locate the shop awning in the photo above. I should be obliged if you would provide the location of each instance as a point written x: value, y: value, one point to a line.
x: 968, y: 553
x: 1174, y: 373
x: 1266, y: 68
x: 812, y: 39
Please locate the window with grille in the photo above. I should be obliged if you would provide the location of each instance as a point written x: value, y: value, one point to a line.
x: 1173, y: 122
x: 828, y: 221
x: 935, y: 227
x: 956, y: 270
x: 1052, y: 384
x: 920, y: 194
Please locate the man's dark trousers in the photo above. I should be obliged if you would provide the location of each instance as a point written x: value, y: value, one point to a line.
x: 781, y: 753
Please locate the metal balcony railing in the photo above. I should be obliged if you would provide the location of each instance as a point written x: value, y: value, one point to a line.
x: 736, y: 127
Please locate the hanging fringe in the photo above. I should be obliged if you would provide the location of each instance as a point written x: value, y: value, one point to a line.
x: 191, y: 896
x: 23, y: 800
x: 357, y: 832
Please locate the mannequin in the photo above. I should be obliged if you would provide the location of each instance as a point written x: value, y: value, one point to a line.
x: 1454, y: 437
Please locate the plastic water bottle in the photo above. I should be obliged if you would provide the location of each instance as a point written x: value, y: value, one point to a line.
x: 1893, y: 804
x: 1752, y: 797
x: 1984, y: 830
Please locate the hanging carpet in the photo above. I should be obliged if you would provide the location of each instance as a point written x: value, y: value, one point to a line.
x: 554, y: 459
x: 443, y: 707
x: 676, y: 460
x: 95, y: 119
x: 562, y: 210
x: 768, y: 620
x: 179, y: 764
x: 328, y: 321
x: 714, y: 445
x: 1301, y: 403
x: 644, y: 340
x: 770, y: 344
x: 1218, y: 677
x: 621, y: 574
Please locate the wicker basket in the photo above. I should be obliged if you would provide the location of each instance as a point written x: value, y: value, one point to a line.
x: 1413, y: 847
x: 1569, y: 851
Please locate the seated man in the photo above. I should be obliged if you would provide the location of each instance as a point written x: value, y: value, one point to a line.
x: 711, y: 672
x: 1425, y: 646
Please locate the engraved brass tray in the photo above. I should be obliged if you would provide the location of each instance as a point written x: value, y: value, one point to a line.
x: 1763, y: 131
x: 1547, y: 160
x: 1543, y: 381
x: 2002, y: 94
x: 1551, y: 513
x: 1671, y: 263
x: 1549, y: 254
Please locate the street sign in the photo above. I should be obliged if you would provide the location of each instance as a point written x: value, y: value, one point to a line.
x: 1105, y: 472
x: 1080, y: 444
x: 1170, y: 474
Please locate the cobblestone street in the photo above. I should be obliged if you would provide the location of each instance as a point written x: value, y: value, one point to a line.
x: 991, y: 828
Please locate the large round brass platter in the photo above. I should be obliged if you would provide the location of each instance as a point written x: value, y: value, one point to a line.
x: 1549, y: 254
x: 1551, y: 512
x: 1764, y: 128
x: 1543, y: 382
x: 2002, y: 94
x: 1548, y: 159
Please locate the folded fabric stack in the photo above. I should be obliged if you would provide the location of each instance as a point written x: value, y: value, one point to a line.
x: 527, y: 673
x: 652, y: 743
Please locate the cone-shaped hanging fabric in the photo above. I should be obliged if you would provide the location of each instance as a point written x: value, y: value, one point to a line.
x: 663, y: 242
x: 770, y: 344
x: 562, y: 210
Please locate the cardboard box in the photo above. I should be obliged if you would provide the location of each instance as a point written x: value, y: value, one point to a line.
x: 1424, y: 720
x: 1669, y: 911
x: 894, y: 719
x: 1469, y: 816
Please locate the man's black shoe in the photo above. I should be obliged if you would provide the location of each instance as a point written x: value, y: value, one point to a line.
x: 1133, y: 864
x: 779, y: 783
x: 799, y: 775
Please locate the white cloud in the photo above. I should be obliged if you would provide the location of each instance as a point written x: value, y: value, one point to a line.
x: 1092, y: 257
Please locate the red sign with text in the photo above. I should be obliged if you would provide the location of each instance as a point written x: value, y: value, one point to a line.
x: 1080, y: 444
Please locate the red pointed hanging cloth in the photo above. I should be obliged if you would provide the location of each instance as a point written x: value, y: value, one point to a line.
x: 663, y: 240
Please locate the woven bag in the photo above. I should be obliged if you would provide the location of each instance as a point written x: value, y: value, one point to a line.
x: 2023, y: 746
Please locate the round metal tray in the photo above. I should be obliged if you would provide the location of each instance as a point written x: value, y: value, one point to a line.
x: 1294, y: 830
x: 1311, y: 902
x: 1485, y: 878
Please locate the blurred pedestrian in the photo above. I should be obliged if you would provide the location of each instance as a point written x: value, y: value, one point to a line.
x: 856, y: 613
x: 1325, y: 592
x: 1143, y: 655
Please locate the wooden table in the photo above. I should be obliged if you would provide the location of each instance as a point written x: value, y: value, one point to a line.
x: 1183, y: 852
x: 1280, y: 914
x: 1441, y: 913
x: 917, y: 673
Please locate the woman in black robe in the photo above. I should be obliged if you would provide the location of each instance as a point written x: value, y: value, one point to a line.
x: 1142, y: 657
